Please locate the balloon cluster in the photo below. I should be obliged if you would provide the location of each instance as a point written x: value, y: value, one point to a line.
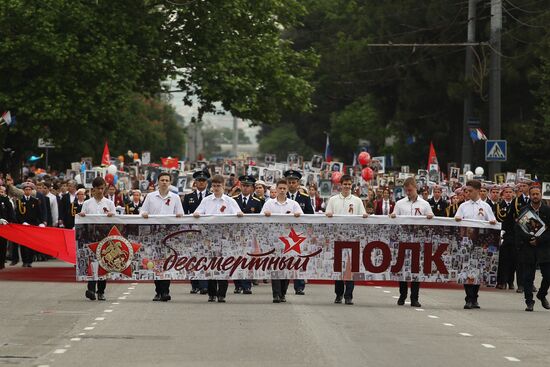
x: 364, y: 159
x: 111, y: 177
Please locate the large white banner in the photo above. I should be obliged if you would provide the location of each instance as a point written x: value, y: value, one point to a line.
x: 285, y: 247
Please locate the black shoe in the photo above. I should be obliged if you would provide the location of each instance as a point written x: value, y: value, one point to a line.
x: 100, y: 297
x: 247, y: 291
x: 468, y: 306
x: 519, y: 290
x: 237, y: 290
x: 90, y: 295
x: 529, y: 307
x: 544, y: 302
x: 194, y: 291
x: 165, y: 297
x: 283, y: 299
x: 204, y: 291
x: 511, y: 287
x: 211, y: 299
x: 276, y: 299
x: 255, y: 282
x: 500, y: 286
x: 415, y: 304
x: 535, y: 290
x: 401, y: 301
x: 300, y: 292
x: 348, y: 301
x: 475, y: 305
x: 13, y: 263
x: 221, y: 299
x: 338, y: 299
x: 157, y: 297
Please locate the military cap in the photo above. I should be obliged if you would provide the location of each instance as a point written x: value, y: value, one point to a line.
x: 201, y: 175
x: 247, y: 180
x: 24, y: 185
x: 292, y: 174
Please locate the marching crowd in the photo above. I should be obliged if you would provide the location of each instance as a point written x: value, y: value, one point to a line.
x: 50, y: 201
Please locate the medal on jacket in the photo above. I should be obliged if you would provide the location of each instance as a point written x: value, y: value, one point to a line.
x: 481, y: 213
x: 167, y: 201
x: 73, y: 210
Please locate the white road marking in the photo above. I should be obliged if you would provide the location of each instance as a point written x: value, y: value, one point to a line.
x: 131, y: 287
x: 512, y: 359
x: 134, y: 284
x: 93, y: 323
x: 99, y: 318
x: 108, y: 310
x: 396, y: 297
x: 89, y: 328
x: 377, y: 287
x: 59, y: 351
x: 75, y: 339
x: 465, y: 334
x: 386, y: 291
x: 43, y: 365
x: 67, y: 346
x: 419, y: 309
x: 447, y: 324
x: 115, y: 303
x: 124, y: 297
x: 126, y: 293
x: 433, y: 317
x: 489, y: 346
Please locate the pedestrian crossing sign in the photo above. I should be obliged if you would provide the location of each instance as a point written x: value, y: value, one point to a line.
x: 495, y: 150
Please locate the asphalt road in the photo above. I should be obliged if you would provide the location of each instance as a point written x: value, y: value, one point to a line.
x: 52, y: 324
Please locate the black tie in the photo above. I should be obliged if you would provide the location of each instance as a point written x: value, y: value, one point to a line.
x: 200, y: 196
x: 292, y: 196
x: 244, y: 201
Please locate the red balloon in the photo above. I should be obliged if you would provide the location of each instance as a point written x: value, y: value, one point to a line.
x: 363, y: 158
x: 367, y: 174
x: 336, y: 176
x: 109, y: 178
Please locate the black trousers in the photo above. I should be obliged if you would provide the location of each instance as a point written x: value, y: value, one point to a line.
x: 279, y: 287
x: 415, y: 289
x: 199, y: 284
x: 101, y: 284
x: 344, y: 288
x: 472, y: 291
x: 217, y: 288
x: 162, y: 286
x: 3, y: 250
x: 27, y: 254
x: 508, y: 265
x: 529, y: 278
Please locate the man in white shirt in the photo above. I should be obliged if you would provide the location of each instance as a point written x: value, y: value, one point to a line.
x: 217, y: 203
x: 476, y: 209
x: 162, y: 202
x: 411, y: 205
x: 281, y: 205
x: 345, y: 204
x: 97, y: 204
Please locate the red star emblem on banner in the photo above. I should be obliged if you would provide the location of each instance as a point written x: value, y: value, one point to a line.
x: 114, y: 253
x: 296, y: 241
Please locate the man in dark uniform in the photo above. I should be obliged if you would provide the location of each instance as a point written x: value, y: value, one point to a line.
x: 535, y: 251
x: 28, y: 212
x: 249, y: 204
x: 520, y: 201
x: 135, y: 203
x: 6, y: 216
x: 66, y: 213
x: 293, y: 177
x: 494, y: 196
x: 190, y: 203
x: 439, y: 206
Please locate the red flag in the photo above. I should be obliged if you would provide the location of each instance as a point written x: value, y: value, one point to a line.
x: 106, y: 157
x: 57, y: 242
x: 169, y: 162
x: 432, y: 159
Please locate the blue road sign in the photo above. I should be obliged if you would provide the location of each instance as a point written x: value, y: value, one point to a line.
x: 496, y: 150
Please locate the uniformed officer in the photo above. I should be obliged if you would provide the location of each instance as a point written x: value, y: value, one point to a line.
x: 438, y: 205
x: 506, y: 214
x: 133, y: 207
x: 190, y: 203
x: 28, y: 212
x: 6, y: 216
x: 249, y: 204
x: 293, y: 177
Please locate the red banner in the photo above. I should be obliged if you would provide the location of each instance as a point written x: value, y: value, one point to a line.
x: 56, y: 242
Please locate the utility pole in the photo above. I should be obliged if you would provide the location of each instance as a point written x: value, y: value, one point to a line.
x: 467, y: 146
x: 235, y: 136
x: 494, y: 80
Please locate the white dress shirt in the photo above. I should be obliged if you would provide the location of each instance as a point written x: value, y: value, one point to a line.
x: 155, y: 204
x: 53, y: 207
x: 386, y: 207
x: 222, y: 205
x: 275, y: 207
x: 92, y: 206
x: 478, y: 210
x: 414, y: 208
x: 345, y: 205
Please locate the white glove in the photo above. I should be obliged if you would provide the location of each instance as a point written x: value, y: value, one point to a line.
x: 25, y: 223
x: 3, y: 221
x: 41, y: 225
